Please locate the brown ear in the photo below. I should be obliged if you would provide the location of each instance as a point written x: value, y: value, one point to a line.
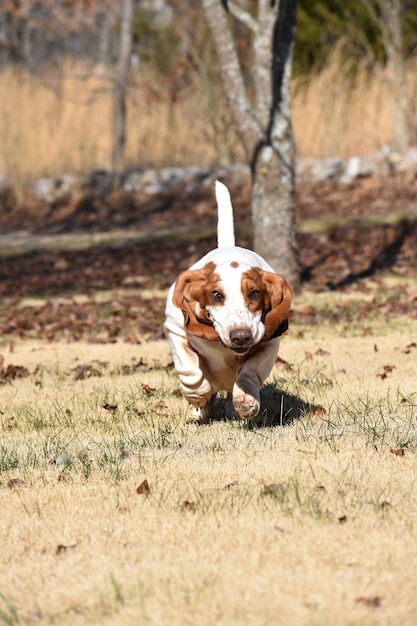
x: 190, y: 296
x: 276, y: 315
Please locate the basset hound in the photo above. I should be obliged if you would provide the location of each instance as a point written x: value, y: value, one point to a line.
x: 224, y: 317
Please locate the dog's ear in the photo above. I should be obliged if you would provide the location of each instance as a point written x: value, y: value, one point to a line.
x: 190, y: 295
x: 278, y: 308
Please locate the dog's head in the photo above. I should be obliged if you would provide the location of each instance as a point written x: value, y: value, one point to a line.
x: 236, y: 304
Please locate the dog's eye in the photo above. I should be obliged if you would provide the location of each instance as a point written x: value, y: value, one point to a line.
x: 217, y: 297
x: 253, y: 294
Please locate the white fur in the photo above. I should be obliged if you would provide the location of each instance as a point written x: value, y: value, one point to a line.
x: 225, y: 224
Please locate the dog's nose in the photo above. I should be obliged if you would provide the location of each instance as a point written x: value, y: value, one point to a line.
x: 240, y: 337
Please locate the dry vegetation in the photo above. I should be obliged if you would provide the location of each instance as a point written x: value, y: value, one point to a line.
x: 116, y: 509
x: 306, y: 517
x: 60, y: 123
x: 338, y: 115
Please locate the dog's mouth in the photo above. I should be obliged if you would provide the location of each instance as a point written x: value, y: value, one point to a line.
x: 240, y: 350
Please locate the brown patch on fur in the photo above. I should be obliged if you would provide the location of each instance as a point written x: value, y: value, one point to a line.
x: 234, y: 264
x: 254, y: 291
x: 270, y: 294
x: 191, y: 293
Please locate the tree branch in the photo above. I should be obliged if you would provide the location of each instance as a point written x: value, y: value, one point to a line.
x: 243, y: 16
x: 247, y: 127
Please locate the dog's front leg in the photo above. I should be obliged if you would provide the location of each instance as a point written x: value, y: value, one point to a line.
x: 250, y: 378
x: 193, y: 384
x: 246, y: 394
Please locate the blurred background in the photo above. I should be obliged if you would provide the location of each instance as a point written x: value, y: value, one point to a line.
x: 354, y: 83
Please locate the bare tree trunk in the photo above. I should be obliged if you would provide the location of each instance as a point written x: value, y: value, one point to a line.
x: 388, y: 20
x: 104, y: 21
x: 265, y: 126
x: 232, y: 76
x: 120, y: 85
x: 392, y: 37
x: 273, y: 165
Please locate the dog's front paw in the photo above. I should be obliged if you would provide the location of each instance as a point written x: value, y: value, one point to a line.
x: 202, y: 415
x: 246, y: 405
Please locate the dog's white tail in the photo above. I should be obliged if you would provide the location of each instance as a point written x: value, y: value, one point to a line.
x: 225, y: 225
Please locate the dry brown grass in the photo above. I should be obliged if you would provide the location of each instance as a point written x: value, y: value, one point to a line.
x: 313, y: 522
x: 338, y: 115
x: 60, y: 123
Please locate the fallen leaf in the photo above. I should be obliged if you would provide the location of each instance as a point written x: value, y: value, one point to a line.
x: 16, y: 483
x: 60, y: 549
x: 124, y: 452
x: 285, y: 364
x: 135, y: 410
x: 373, y: 602
x: 232, y: 484
x: 147, y: 388
x: 317, y: 409
x: 109, y: 407
x: 143, y: 488
x: 12, y: 372
x: 11, y: 422
x: 342, y: 519
x: 397, y: 451
x: 274, y: 489
x: 86, y: 371
x: 188, y: 506
x: 387, y: 369
x: 321, y: 352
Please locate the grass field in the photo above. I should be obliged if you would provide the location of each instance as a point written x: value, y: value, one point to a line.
x: 306, y: 517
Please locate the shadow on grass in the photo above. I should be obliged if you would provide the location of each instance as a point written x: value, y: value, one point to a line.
x: 278, y: 408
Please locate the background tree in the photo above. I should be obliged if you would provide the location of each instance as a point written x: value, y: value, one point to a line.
x: 377, y: 33
x: 263, y: 120
x: 36, y: 34
x: 121, y: 83
x: 387, y: 15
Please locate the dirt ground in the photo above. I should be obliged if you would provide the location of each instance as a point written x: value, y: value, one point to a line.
x: 347, y: 233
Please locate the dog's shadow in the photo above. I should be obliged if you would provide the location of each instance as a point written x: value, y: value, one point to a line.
x: 278, y: 408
